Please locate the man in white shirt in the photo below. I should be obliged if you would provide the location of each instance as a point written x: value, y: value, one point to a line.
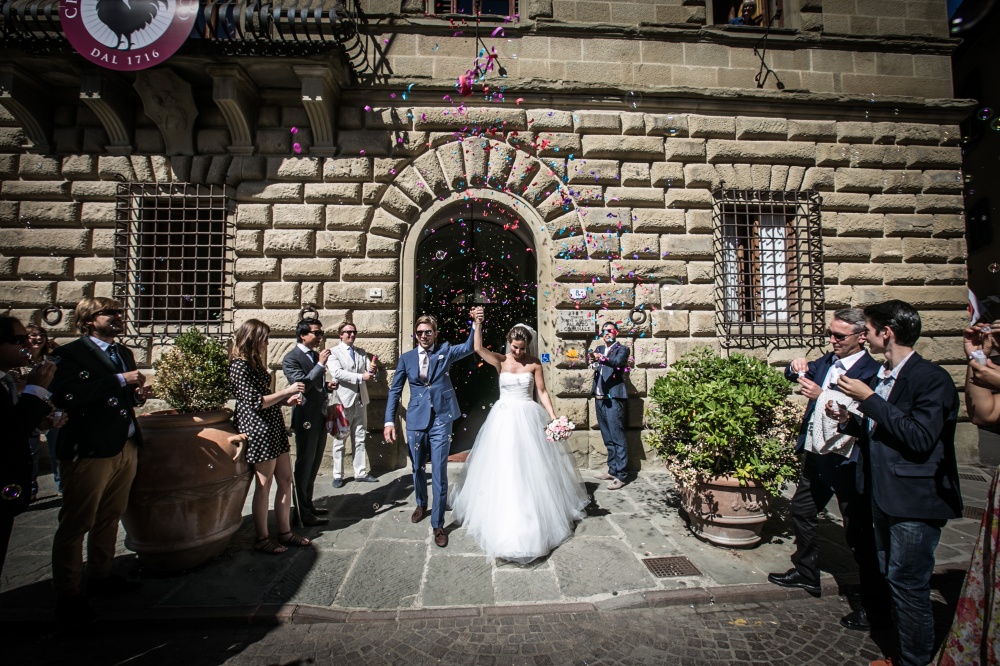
x: 826, y: 472
x: 352, y: 368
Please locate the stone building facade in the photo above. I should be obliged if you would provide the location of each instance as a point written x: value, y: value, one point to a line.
x: 608, y: 150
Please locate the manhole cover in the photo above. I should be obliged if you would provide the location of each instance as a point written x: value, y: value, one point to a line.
x: 974, y: 512
x: 969, y: 476
x: 664, y: 567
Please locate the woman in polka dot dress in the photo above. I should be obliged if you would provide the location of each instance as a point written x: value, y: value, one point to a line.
x: 258, y: 416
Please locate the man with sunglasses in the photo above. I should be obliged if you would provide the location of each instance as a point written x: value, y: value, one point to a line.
x: 98, y: 385
x: 609, y: 362
x: 351, y: 366
x: 430, y: 413
x: 21, y: 413
x: 304, y: 364
x: 826, y: 472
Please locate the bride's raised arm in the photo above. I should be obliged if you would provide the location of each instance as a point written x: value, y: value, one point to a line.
x: 543, y: 395
x: 490, y: 357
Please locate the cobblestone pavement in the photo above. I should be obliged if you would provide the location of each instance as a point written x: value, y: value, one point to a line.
x: 794, y: 632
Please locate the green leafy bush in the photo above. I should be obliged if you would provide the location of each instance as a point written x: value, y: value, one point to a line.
x: 192, y: 376
x: 715, y: 416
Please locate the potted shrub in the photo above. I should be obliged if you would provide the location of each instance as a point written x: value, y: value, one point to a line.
x: 726, y: 430
x: 192, y: 479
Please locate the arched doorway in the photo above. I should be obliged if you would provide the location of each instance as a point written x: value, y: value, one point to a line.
x: 476, y: 253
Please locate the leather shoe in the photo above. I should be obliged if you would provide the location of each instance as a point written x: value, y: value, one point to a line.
x: 440, y: 537
x: 312, y: 521
x: 792, y: 578
x: 338, y: 483
x: 418, y: 514
x: 73, y: 610
x: 111, y: 586
x: 856, y: 620
x: 317, y: 511
x: 367, y: 478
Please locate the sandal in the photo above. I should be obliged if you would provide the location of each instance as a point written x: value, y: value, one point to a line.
x: 269, y: 546
x: 291, y: 539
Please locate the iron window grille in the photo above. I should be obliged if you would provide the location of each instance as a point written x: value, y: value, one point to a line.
x: 471, y: 7
x: 174, y: 259
x: 768, y: 267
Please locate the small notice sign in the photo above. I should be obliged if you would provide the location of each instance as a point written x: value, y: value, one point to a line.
x: 545, y: 358
x: 575, y: 321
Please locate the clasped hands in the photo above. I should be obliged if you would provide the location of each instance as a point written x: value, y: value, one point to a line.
x: 983, y: 338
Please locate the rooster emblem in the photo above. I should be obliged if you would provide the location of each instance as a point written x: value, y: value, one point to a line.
x: 126, y: 17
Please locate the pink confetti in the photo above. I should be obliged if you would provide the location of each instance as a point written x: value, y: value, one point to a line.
x: 297, y: 148
x: 367, y: 108
x: 294, y: 130
x: 361, y: 152
x: 518, y: 100
x: 498, y: 30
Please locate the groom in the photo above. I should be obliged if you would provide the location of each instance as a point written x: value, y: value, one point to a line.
x: 429, y: 415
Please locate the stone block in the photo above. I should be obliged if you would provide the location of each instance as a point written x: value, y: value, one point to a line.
x: 939, y: 203
x: 909, y: 225
x: 819, y: 178
x: 657, y: 220
x: 371, y: 193
x: 683, y: 246
x: 550, y: 120
x: 360, y: 294
x: 35, y: 268
x: 333, y: 193
x: 309, y: 269
x: 93, y: 268
x: 812, y: 130
x: 281, y: 294
x: 918, y: 134
x: 930, y: 157
x: 365, y: 143
x: 348, y: 217
x: 927, y: 250
x: 377, y: 322
x: 303, y: 216
x: 846, y: 201
x: 605, y: 219
x: 256, y: 216
x: 893, y: 203
x: 633, y: 123
x: 688, y: 198
x: 647, y: 197
x: 666, y: 125
x: 103, y: 242
x: 846, y: 249
x: 380, y: 246
x: 701, y: 175
x: 96, y: 214
x: 36, y: 190
x: 71, y: 293
x: 601, y: 245
x: 339, y: 243
x: 701, y: 272
x: 756, y: 128
x: 685, y: 150
x: 907, y: 273
x: 347, y: 169
x: 51, y: 214
x: 941, y: 181
x: 648, y: 271
x: 640, y: 246
x: 711, y: 127
x: 55, y: 241
x: 949, y: 226
x: 855, y: 224
x: 602, y: 172
x: 702, y: 324
x: 249, y: 268
x: 670, y: 323
x: 667, y: 174
x: 945, y: 298
x: 25, y: 293
x: 623, y: 147
x: 247, y: 294
x: 79, y: 167
x: 597, y: 122
x: 773, y: 152
x: 262, y: 192
x: 580, y: 270
x: 688, y: 296
x: 649, y: 353
x: 289, y: 242
x: 635, y: 174
x: 282, y: 322
x: 369, y: 269
x: 887, y: 250
x: 597, y: 296
x: 859, y: 180
x: 295, y: 169
x: 699, y: 222
x: 861, y: 273
x: 438, y: 118
x: 385, y: 224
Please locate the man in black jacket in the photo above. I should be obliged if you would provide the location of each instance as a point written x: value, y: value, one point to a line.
x: 20, y: 416
x: 98, y: 384
x: 907, y: 438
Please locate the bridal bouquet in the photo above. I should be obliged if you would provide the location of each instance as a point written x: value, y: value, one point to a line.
x: 560, y: 428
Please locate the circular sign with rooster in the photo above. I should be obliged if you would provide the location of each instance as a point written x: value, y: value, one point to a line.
x: 127, y: 34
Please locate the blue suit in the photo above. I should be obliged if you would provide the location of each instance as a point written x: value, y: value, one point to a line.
x: 429, y: 415
x: 609, y: 382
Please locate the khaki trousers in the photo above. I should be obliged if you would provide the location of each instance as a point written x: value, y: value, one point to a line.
x: 95, y: 495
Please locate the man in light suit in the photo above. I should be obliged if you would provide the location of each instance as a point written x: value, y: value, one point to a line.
x: 429, y: 415
x: 304, y: 364
x: 907, y: 439
x: 352, y: 368
x: 827, y: 473
x: 609, y: 362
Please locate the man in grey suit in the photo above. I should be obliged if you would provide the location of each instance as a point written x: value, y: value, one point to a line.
x: 609, y: 362
x: 352, y: 368
x: 304, y: 364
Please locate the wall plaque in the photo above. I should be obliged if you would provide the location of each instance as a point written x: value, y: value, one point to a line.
x: 576, y: 321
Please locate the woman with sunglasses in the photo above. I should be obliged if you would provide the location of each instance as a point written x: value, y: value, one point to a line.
x: 258, y: 416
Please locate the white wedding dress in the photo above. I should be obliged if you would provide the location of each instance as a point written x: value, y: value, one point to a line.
x: 519, y: 495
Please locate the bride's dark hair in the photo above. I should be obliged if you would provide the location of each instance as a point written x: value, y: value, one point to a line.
x: 521, y: 334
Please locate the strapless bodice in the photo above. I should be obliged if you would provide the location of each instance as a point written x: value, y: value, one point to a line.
x: 516, y: 385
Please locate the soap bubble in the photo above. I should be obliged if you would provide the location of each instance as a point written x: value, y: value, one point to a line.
x: 985, y: 113
x: 10, y: 492
x: 440, y: 254
x: 307, y: 425
x: 69, y: 396
x: 123, y: 413
x: 995, y: 124
x: 994, y: 267
x: 84, y: 375
x: 113, y: 402
x: 633, y: 99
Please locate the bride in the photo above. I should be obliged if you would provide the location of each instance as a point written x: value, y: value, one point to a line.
x: 519, y: 495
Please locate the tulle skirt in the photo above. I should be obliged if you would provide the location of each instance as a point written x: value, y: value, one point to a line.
x: 519, y: 496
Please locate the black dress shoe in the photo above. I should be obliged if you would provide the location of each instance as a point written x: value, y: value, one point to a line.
x: 367, y: 478
x: 112, y: 586
x: 856, y: 620
x: 338, y: 483
x: 74, y: 611
x: 317, y: 511
x: 312, y: 521
x: 792, y: 578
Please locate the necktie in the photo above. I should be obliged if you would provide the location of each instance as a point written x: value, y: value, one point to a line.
x: 112, y: 352
x: 425, y: 364
x: 11, y: 386
x: 313, y: 356
x: 350, y: 352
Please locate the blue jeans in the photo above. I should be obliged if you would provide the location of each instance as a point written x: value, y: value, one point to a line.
x: 905, y: 550
x: 434, y: 442
x: 611, y: 421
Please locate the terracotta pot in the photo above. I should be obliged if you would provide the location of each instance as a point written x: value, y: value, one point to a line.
x: 188, y: 494
x: 725, y: 513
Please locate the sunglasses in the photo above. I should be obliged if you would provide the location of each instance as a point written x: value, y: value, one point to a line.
x: 840, y: 337
x: 318, y: 334
x: 421, y: 334
x: 17, y: 340
x: 608, y: 330
x: 110, y: 312
x: 348, y: 332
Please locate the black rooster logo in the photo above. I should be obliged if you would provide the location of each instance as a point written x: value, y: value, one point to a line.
x: 125, y: 17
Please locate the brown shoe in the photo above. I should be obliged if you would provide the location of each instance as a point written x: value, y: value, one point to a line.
x: 311, y: 521
x: 418, y: 514
x: 440, y: 537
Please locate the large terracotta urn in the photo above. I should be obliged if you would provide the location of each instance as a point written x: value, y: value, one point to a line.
x: 725, y: 513
x: 190, y: 486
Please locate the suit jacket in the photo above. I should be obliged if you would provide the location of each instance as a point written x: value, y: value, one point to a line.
x: 436, y: 396
x: 298, y: 367
x: 910, y: 455
x: 19, y: 422
x: 609, y: 375
x: 87, y: 388
x: 864, y: 369
x: 348, y: 373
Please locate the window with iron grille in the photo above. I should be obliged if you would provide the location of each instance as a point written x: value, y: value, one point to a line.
x: 768, y: 266
x: 174, y: 258
x: 470, y: 7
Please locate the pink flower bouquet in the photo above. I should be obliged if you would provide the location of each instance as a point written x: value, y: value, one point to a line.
x: 560, y: 428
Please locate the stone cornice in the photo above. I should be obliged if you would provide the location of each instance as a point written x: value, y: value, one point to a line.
x: 26, y: 102
x: 236, y: 96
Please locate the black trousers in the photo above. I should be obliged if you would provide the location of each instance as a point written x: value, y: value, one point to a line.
x: 822, y: 477
x: 309, y: 447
